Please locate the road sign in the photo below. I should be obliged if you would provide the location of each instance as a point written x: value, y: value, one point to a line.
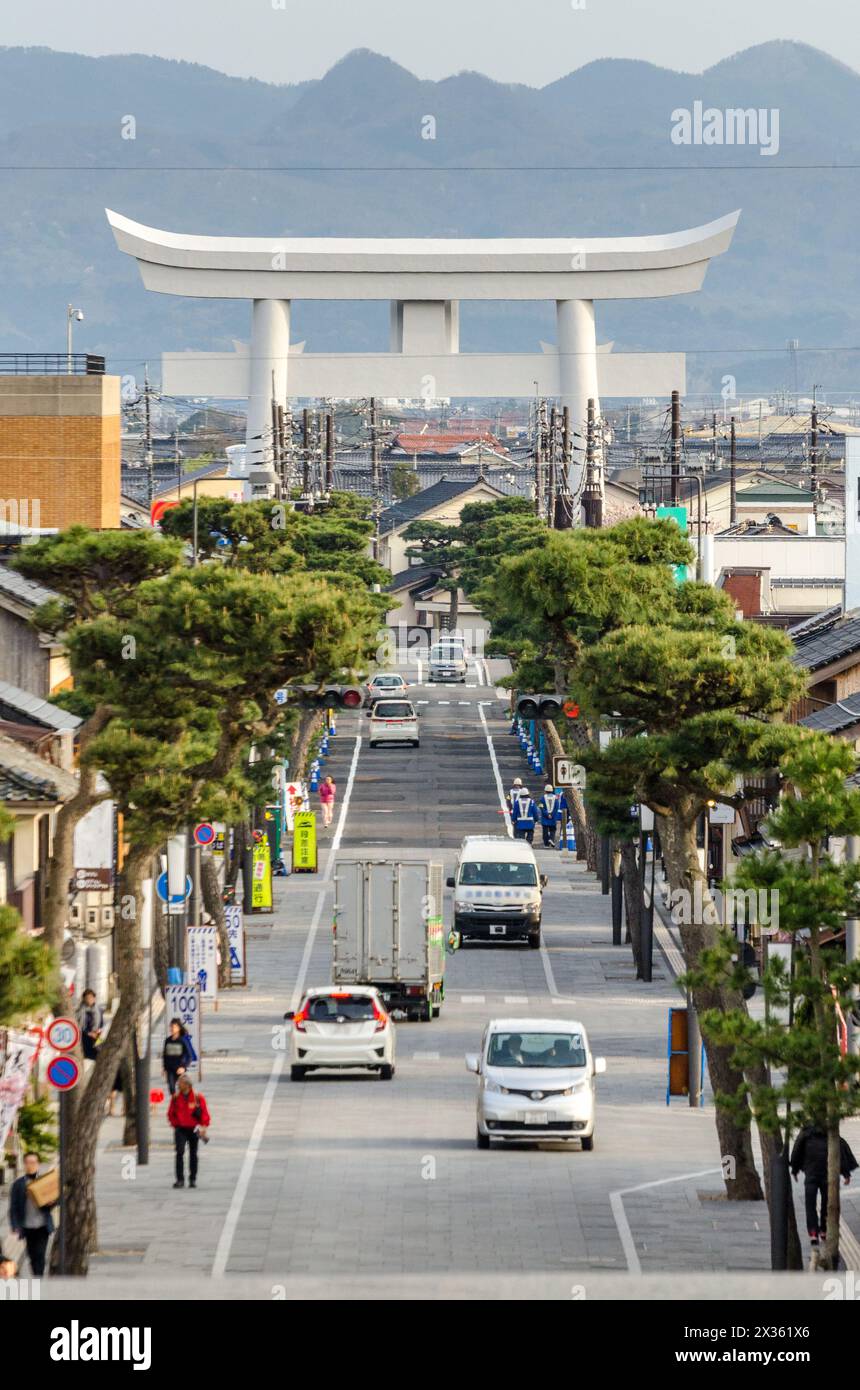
x: 202, y: 955
x: 63, y: 1072
x: 236, y: 938
x: 63, y: 1034
x: 721, y: 814
x: 567, y: 773
x: 176, y: 901
x: 183, y: 1002
x: 204, y: 833
x: 305, y: 843
x: 281, y: 697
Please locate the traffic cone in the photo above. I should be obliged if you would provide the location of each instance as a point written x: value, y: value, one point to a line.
x: 315, y: 776
x: 571, y: 835
x: 648, y: 845
x: 515, y: 725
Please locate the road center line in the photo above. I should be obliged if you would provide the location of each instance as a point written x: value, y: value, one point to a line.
x: 544, y: 954
x: 243, y: 1182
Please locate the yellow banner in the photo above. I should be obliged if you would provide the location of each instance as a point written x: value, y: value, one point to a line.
x: 305, y: 843
x: 261, y: 888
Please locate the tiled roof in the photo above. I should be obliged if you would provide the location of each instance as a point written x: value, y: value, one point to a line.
x: 410, y: 508
x: 445, y: 443
x: 413, y: 577
x: 34, y: 709
x: 24, y: 776
x: 819, y: 648
x: 24, y: 590
x: 832, y: 718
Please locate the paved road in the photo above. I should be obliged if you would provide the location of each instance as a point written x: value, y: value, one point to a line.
x: 348, y: 1177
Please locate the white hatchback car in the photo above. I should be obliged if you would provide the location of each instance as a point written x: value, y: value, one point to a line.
x: 341, y: 1028
x: 385, y: 683
x: 393, y: 721
x: 535, y: 1081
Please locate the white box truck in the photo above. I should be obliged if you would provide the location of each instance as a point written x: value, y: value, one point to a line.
x: 388, y: 932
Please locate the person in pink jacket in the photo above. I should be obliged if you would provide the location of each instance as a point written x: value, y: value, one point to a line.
x: 328, y: 792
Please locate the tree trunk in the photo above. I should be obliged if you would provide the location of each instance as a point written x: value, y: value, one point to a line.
x: 214, y: 905
x: 677, y: 835
x: 632, y: 879
x: 309, y: 722
x: 585, y: 849
x: 87, y: 1110
x: 454, y: 607
x: 61, y: 865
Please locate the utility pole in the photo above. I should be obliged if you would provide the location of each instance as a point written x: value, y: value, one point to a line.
x: 813, y: 457
x: 329, y: 453
x: 177, y: 464
x: 374, y: 475
x: 563, y: 501
x: 714, y: 441
x: 675, y: 469
x: 286, y: 454
x: 733, y: 475
x: 306, y: 451
x: 539, y: 443
x: 551, y: 471
x: 277, y: 461
x: 592, y: 500
x: 147, y: 434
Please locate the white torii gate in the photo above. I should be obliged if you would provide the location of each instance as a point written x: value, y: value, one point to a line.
x: 424, y: 279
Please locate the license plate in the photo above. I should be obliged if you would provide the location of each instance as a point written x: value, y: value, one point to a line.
x: 536, y: 1117
x: 497, y: 930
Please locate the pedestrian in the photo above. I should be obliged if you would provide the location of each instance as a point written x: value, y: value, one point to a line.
x: 550, y: 808
x: 328, y: 792
x: 8, y: 1267
x: 515, y: 790
x: 115, y: 1090
x: 189, y: 1116
x: 30, y: 1222
x: 809, y: 1156
x: 524, y: 814
x: 91, y: 1017
x: 177, y: 1054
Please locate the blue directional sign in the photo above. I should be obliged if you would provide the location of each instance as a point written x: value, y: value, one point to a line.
x: 174, y: 898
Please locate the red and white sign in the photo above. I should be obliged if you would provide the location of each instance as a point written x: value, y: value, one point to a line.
x: 63, y: 1034
x: 204, y: 833
x: 63, y: 1072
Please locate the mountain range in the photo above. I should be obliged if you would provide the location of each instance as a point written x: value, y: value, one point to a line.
x: 589, y: 154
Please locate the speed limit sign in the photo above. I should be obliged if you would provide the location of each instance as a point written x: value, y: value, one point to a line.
x: 63, y: 1034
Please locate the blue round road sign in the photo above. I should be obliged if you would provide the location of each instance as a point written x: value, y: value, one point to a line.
x: 204, y: 833
x: 161, y: 889
x: 63, y: 1073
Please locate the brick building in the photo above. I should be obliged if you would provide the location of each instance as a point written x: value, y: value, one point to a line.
x: 59, y: 442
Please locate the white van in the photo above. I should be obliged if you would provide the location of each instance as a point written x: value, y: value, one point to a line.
x: 498, y: 891
x: 448, y: 660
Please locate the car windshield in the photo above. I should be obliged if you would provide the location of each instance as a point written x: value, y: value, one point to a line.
x: 327, y: 1008
x: 388, y: 680
x: 447, y: 653
x: 536, y: 1050
x: 498, y: 875
x: 393, y: 709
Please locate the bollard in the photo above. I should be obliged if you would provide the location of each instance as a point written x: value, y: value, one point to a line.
x: 571, y: 835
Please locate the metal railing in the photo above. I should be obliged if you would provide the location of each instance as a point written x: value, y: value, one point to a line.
x: 51, y: 364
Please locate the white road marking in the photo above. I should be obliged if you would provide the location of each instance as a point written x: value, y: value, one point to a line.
x: 243, y: 1182
x: 386, y: 812
x: 418, y: 664
x: 464, y: 702
x: 473, y: 999
x: 443, y: 702
x: 616, y: 1201
x: 425, y: 1056
x: 499, y: 788
x: 422, y: 702
x: 544, y: 954
x: 516, y: 999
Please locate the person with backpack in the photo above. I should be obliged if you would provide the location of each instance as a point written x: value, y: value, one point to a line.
x: 809, y: 1156
x: 177, y: 1054
x: 189, y: 1116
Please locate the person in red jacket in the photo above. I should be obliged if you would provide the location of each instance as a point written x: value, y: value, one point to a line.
x: 189, y: 1115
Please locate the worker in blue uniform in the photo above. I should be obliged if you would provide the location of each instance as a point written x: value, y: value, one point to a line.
x: 550, y: 809
x: 524, y: 815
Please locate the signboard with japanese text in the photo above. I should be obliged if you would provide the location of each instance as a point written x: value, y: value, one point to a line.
x: 261, y: 883
x: 305, y: 843
x: 202, y: 960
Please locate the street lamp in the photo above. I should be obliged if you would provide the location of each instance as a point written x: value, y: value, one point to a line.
x: 73, y: 315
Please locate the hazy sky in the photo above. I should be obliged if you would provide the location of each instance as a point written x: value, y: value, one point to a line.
x: 532, y: 41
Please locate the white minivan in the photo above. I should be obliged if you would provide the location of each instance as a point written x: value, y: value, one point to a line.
x: 498, y: 891
x: 448, y: 660
x: 393, y: 721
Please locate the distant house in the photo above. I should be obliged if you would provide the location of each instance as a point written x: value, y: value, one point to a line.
x: 29, y: 659
x: 454, y: 444
x: 420, y: 601
x: 828, y: 647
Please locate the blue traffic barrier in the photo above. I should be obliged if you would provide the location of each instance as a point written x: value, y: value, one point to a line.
x: 174, y: 975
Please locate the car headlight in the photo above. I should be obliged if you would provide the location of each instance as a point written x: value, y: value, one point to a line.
x: 461, y: 906
x: 575, y: 1088
x: 494, y: 1086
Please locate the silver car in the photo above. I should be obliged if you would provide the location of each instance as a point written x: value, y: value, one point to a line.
x: 393, y: 721
x: 535, y: 1082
